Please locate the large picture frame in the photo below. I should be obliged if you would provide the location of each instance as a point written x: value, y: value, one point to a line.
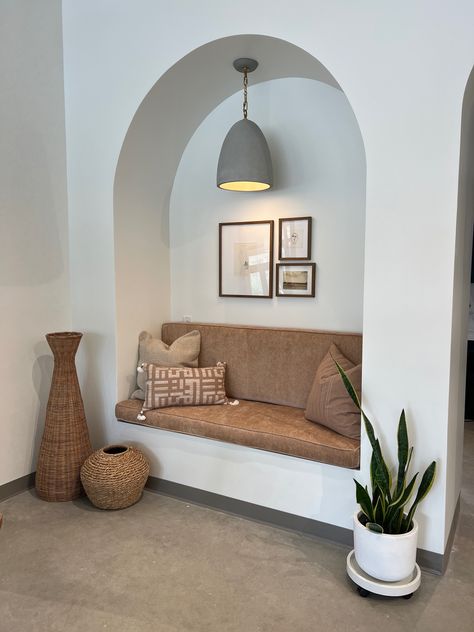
x: 296, y: 279
x: 246, y: 259
x: 294, y: 241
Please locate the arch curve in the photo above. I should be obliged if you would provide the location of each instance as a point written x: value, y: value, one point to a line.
x: 157, y: 136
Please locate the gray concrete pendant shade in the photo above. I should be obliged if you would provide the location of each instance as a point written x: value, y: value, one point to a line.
x: 245, y: 163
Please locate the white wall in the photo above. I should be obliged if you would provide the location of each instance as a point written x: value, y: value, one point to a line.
x: 34, y: 292
x: 319, y: 165
x: 388, y: 58
x: 461, y: 293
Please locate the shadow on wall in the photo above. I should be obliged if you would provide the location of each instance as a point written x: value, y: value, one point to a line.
x: 42, y: 373
x: 30, y: 236
x: 88, y: 360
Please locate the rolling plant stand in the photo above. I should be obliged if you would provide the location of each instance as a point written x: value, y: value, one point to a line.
x: 367, y: 585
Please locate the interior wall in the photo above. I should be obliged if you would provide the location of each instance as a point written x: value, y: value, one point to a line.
x: 319, y: 170
x: 461, y: 298
x: 34, y: 288
x: 410, y: 123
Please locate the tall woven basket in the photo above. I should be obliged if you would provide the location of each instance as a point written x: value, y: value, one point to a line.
x: 65, y: 444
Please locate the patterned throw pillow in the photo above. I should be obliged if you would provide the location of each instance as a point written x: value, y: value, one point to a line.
x: 184, y: 351
x: 182, y: 386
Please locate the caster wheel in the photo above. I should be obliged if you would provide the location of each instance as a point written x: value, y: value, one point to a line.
x: 409, y: 596
x: 363, y: 592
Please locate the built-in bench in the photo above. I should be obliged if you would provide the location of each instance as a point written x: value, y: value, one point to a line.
x: 270, y: 371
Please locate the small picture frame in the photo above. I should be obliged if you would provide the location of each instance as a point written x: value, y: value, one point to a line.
x: 246, y: 259
x: 296, y: 279
x: 294, y: 238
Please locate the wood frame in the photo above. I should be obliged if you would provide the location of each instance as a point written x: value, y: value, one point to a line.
x: 311, y: 266
x: 281, y: 222
x: 235, y: 254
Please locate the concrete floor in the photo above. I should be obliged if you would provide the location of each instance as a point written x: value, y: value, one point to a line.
x: 167, y: 566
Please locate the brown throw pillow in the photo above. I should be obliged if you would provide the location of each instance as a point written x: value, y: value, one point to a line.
x: 183, y: 352
x: 328, y: 402
x: 184, y: 386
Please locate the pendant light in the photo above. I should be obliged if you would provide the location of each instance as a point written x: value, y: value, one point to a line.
x: 245, y: 163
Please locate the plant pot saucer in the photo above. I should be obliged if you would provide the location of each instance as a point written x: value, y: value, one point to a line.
x: 367, y: 584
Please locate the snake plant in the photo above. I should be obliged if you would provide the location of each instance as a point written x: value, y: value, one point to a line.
x: 384, y: 511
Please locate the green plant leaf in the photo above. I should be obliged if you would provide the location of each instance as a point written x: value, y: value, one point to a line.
x: 379, y: 511
x: 410, y: 454
x: 363, y: 498
x: 373, y: 467
x: 348, y: 384
x: 404, y: 497
x: 376, y: 494
x: 376, y: 483
x: 397, y: 505
x: 423, y: 489
x: 393, y: 521
x: 373, y: 526
x: 381, y: 473
x: 403, y: 450
x: 398, y: 522
x: 404, y: 525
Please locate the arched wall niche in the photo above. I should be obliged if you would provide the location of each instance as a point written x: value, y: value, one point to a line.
x: 461, y: 302
x: 162, y: 126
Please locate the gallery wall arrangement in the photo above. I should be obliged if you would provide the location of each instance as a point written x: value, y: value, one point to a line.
x: 295, y: 239
x: 246, y: 259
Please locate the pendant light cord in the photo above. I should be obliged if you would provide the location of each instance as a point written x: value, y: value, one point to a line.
x: 246, y: 83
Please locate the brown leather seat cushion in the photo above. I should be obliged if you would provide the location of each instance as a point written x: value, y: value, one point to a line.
x: 270, y: 427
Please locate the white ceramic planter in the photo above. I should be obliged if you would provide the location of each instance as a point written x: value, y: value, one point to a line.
x: 389, y: 558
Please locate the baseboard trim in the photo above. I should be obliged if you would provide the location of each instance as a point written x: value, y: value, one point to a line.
x: 438, y: 562
x: 254, y: 512
x: 428, y: 560
x: 17, y: 486
x: 452, y: 532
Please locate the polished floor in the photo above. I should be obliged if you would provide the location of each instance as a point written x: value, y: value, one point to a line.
x: 166, y: 566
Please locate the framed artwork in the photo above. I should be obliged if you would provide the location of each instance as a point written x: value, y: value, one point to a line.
x: 295, y: 279
x: 246, y: 259
x: 295, y: 238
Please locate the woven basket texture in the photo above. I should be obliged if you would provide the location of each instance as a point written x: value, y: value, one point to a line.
x: 114, y: 477
x: 65, y: 444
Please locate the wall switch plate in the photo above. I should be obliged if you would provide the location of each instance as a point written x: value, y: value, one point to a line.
x: 187, y: 319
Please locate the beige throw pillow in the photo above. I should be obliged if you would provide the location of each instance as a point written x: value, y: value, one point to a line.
x: 184, y: 386
x: 328, y: 402
x: 183, y: 352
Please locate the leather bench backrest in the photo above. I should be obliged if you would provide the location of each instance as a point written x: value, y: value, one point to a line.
x: 265, y: 364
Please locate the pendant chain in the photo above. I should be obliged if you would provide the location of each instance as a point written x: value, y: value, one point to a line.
x: 246, y: 82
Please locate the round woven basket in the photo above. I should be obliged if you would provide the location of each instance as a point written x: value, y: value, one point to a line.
x: 114, y: 476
